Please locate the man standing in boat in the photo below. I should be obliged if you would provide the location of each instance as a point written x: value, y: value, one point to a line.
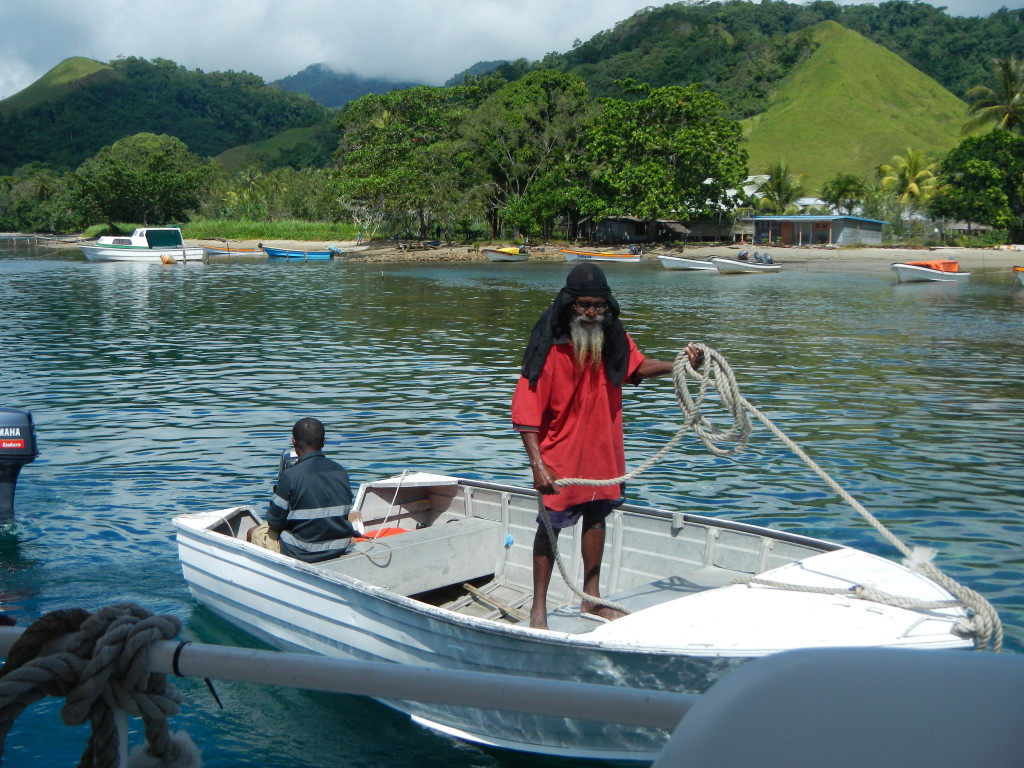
x: 567, y: 408
x: 308, y: 514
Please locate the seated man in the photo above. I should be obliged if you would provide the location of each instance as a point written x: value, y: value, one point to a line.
x: 308, y: 514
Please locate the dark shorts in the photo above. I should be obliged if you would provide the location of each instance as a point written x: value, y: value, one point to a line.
x: 591, y: 512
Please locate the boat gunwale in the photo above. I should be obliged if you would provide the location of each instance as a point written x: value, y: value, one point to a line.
x: 189, y: 523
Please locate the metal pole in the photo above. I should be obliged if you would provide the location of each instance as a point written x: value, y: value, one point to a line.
x: 515, y: 693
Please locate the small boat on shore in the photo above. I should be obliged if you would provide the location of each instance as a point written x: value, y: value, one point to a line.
x: 931, y: 270
x: 1019, y: 272
x: 737, y: 267
x: 452, y: 589
x: 679, y: 262
x: 287, y: 254
x: 626, y: 258
x: 153, y: 245
x: 509, y: 253
x: 229, y: 252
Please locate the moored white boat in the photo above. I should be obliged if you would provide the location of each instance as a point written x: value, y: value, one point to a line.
x: 933, y: 270
x: 738, y: 267
x: 451, y: 592
x: 156, y: 245
x: 627, y: 258
x: 508, y: 253
x: 679, y: 262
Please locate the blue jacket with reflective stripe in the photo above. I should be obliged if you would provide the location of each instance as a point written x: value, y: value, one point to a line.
x: 311, y: 503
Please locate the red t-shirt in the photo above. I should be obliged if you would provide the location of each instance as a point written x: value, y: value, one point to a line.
x: 578, y: 415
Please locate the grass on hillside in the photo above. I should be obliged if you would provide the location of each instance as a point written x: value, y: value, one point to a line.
x: 54, y: 83
x: 848, y: 109
x: 237, y: 158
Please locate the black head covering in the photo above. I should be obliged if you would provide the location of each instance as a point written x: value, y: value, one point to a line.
x: 585, y: 279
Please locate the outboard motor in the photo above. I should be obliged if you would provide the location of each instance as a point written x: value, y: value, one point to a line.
x: 17, y: 448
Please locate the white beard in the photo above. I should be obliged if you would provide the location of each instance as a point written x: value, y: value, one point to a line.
x: 587, y: 341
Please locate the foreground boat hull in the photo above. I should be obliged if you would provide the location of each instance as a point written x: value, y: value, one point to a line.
x: 468, y: 532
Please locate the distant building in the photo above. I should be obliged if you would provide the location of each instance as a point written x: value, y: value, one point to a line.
x: 817, y: 230
x: 629, y: 229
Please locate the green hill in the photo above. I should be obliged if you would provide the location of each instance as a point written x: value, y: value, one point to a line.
x: 70, y: 74
x: 81, y: 106
x: 849, y: 108
x: 311, y: 146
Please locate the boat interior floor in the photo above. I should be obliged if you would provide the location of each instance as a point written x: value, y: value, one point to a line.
x: 505, y: 602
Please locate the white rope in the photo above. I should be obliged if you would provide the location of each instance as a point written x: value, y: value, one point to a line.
x: 716, y: 374
x: 103, y: 670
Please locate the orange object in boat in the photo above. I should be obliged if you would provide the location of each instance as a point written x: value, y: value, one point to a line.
x: 380, y: 534
x: 939, y: 265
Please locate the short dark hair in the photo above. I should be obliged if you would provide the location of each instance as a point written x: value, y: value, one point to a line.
x: 309, y: 431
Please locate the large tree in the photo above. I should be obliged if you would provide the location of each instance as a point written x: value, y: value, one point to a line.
x: 669, y: 154
x: 524, y: 138
x: 982, y: 180
x: 399, y: 153
x: 143, y: 179
x: 1001, y: 107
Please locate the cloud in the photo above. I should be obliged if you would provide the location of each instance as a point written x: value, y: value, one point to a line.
x: 413, y: 40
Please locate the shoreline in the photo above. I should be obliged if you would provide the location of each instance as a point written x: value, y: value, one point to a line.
x: 803, y: 257
x: 854, y: 259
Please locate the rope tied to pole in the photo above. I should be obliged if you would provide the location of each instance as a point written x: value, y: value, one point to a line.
x: 716, y: 374
x: 102, y: 670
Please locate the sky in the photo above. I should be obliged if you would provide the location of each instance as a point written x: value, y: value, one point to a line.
x: 408, y: 40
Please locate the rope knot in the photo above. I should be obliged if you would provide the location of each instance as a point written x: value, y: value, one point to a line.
x: 102, y: 670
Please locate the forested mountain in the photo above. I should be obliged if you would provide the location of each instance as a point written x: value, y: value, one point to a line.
x: 60, y: 122
x: 743, y: 49
x: 336, y: 89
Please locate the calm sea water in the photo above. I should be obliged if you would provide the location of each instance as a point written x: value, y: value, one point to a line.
x: 157, y: 390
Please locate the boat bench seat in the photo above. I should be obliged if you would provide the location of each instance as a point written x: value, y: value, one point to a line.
x: 425, y: 559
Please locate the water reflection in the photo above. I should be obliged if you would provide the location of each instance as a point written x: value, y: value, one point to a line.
x: 158, y: 390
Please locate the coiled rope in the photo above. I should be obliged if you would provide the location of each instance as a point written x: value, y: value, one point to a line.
x: 102, y: 670
x: 716, y: 374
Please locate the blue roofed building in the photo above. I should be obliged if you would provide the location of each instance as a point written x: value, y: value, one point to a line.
x: 817, y: 230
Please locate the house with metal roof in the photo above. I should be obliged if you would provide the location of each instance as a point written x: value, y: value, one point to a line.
x: 817, y: 230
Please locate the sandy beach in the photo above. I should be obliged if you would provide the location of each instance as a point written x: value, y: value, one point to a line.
x: 819, y: 258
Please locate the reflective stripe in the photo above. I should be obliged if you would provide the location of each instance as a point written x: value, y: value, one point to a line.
x: 278, y: 501
x: 321, y: 512
x: 315, y: 546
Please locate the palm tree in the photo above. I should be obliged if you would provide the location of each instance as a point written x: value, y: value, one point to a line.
x: 782, y: 190
x: 911, y: 176
x: 845, y: 191
x: 1003, y: 106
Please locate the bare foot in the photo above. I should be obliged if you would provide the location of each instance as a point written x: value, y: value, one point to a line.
x: 604, y: 612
